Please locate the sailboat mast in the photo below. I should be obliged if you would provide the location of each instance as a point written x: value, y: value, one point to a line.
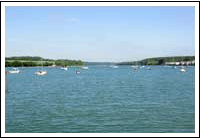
x: 42, y: 65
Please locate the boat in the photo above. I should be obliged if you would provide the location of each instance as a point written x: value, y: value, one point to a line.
x: 78, y: 72
x: 84, y: 68
x: 41, y: 72
x: 183, y: 69
x: 174, y: 67
x: 64, y: 68
x: 115, y: 67
x: 135, y: 67
x: 142, y: 66
x: 112, y: 66
x: 149, y: 68
x: 14, y: 70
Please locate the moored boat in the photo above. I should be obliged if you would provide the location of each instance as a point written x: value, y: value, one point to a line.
x: 15, y: 70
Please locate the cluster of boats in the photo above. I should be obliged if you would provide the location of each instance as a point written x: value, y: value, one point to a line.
x: 136, y: 67
x: 41, y: 72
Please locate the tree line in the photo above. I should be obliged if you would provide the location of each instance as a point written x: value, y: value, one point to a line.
x: 28, y: 61
x: 159, y: 60
x: 26, y: 64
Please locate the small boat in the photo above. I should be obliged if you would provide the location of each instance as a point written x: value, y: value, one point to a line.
x: 84, y: 68
x: 41, y: 73
x: 78, y: 72
x: 15, y: 70
x: 149, y: 68
x: 115, y: 67
x: 183, y: 69
x: 142, y: 66
x: 135, y: 67
x: 64, y: 68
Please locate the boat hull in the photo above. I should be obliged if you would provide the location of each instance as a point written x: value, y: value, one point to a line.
x: 14, y: 71
x: 41, y: 73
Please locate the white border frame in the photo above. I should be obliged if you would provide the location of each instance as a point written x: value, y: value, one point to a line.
x: 196, y: 134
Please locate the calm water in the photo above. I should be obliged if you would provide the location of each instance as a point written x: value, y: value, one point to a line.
x: 102, y: 100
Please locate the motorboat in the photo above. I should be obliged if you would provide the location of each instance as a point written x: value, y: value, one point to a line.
x: 15, y: 70
x: 142, y: 66
x: 135, y: 67
x: 115, y: 67
x: 64, y: 68
x: 41, y: 72
x: 183, y: 69
x: 84, y: 68
x: 149, y: 68
x: 78, y: 72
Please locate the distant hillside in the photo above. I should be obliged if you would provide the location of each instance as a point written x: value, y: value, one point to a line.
x: 159, y: 60
x: 97, y: 63
x: 30, y: 61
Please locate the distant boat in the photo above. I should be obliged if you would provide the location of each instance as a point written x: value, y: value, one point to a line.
x: 135, y: 67
x: 183, y: 69
x: 42, y: 72
x: 84, y: 68
x: 112, y: 66
x: 15, y: 70
x: 115, y: 67
x: 78, y: 72
x: 64, y: 68
x: 142, y: 66
x: 149, y: 68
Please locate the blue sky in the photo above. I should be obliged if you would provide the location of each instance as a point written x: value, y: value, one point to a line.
x: 101, y: 34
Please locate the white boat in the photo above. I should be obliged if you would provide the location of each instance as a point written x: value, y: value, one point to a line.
x: 149, y: 68
x: 15, y: 70
x: 183, y: 69
x: 42, y: 72
x: 84, y: 68
x: 115, y: 67
x: 142, y: 66
x: 64, y: 68
x: 135, y: 67
x: 78, y: 72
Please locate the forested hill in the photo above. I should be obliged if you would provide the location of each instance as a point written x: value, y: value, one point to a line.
x: 30, y: 61
x: 98, y: 63
x: 159, y: 60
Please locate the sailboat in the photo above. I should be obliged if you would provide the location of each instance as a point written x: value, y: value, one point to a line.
x: 42, y: 72
x: 174, y: 67
x: 114, y: 66
x: 136, y: 67
x: 14, y: 70
x: 183, y: 69
x: 84, y: 67
x: 64, y: 68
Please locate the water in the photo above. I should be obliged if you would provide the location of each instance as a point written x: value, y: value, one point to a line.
x: 101, y: 100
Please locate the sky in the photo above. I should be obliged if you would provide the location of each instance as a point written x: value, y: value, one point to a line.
x: 100, y: 34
